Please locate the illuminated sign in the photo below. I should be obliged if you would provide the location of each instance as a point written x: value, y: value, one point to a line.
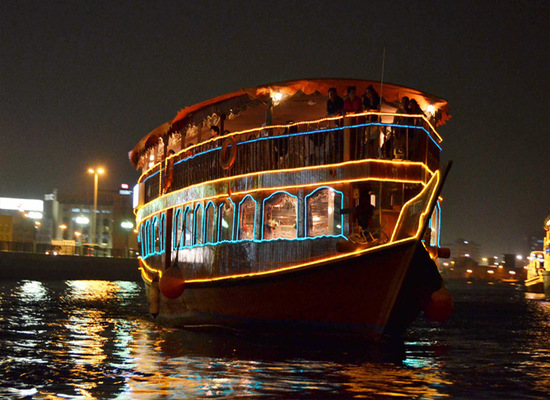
x: 8, y: 203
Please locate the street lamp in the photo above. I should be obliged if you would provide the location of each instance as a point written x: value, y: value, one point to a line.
x: 62, y: 227
x: 96, y: 172
x: 127, y: 226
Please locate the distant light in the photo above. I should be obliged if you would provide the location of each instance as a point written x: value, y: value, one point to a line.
x: 469, y: 271
x: 126, y: 224
x: 63, y: 226
x: 519, y: 257
x: 34, y: 215
x: 490, y: 271
x: 431, y: 109
x: 82, y: 220
x: 278, y: 96
x: 465, y: 242
x: 512, y: 272
x: 124, y: 186
x: 466, y: 255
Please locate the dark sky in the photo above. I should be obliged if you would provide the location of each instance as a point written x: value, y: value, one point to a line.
x: 82, y: 82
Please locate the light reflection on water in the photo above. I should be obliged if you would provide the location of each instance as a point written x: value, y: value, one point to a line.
x: 91, y: 339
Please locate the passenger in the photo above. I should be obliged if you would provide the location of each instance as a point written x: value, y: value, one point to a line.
x: 281, y: 145
x: 371, y: 102
x: 169, y: 171
x: 414, y: 108
x: 403, y: 106
x: 363, y: 212
x: 416, y: 144
x: 214, y: 131
x: 400, y: 133
x: 352, y: 103
x: 335, y: 103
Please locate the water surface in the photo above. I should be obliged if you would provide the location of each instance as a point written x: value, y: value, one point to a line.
x: 93, y: 340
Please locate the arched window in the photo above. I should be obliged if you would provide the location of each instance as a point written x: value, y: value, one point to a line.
x: 143, y: 236
x: 178, y: 229
x: 154, y: 235
x: 247, y: 218
x: 323, y: 216
x: 226, y: 220
x: 162, y: 232
x: 187, y: 238
x: 280, y: 218
x: 197, y: 232
x: 210, y: 223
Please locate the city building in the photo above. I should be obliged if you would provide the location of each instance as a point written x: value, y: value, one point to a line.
x: 67, y: 222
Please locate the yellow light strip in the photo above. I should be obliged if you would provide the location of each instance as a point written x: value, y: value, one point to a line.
x: 255, y: 190
x: 288, y: 170
x: 423, y: 214
x: 258, y: 129
x: 146, y: 268
x: 289, y: 268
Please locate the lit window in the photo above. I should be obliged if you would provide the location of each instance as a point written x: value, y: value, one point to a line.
x: 197, y: 234
x: 188, y: 227
x: 247, y: 218
x: 178, y: 229
x: 227, y: 215
x: 280, y: 216
x: 209, y: 227
x: 323, y: 212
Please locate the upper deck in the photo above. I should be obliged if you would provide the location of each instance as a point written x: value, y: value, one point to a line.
x: 284, y: 126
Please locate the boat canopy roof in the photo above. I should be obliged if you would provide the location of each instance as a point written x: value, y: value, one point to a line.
x: 303, y: 99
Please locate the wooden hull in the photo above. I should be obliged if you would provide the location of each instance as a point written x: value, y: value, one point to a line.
x: 370, y: 294
x: 535, y: 285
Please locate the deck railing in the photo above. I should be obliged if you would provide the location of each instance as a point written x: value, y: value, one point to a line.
x: 327, y: 141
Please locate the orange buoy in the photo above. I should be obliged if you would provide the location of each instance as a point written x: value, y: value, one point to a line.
x: 172, y: 282
x: 440, y: 306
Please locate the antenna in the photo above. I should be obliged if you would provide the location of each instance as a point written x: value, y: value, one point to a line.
x: 382, y: 78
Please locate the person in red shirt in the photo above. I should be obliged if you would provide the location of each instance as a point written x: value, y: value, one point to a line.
x: 352, y: 103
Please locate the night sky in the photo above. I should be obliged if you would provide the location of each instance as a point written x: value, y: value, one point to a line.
x: 82, y: 82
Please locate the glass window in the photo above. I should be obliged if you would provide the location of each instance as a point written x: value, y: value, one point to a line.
x: 197, y: 234
x: 144, y: 235
x: 227, y: 216
x: 323, y: 212
x: 162, y: 232
x: 210, y: 224
x: 178, y: 229
x: 155, y: 236
x: 188, y: 227
x: 247, y: 218
x: 280, y: 216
